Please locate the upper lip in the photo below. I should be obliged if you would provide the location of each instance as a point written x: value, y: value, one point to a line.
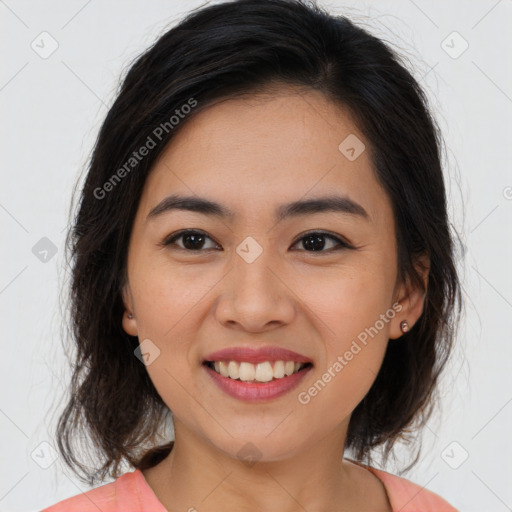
x: 257, y: 355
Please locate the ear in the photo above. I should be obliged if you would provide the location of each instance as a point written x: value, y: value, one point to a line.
x: 411, y: 297
x: 129, y: 324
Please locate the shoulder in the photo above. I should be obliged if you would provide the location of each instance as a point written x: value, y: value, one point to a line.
x: 123, y: 495
x: 408, y: 496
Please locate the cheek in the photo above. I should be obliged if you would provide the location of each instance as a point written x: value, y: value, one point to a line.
x: 348, y: 301
x: 165, y: 300
x: 166, y: 295
x: 355, y: 340
x: 352, y: 312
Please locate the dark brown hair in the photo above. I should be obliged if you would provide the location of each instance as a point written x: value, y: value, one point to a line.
x: 221, y: 51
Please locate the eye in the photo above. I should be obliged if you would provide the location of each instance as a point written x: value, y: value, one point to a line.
x: 315, y: 241
x: 192, y: 240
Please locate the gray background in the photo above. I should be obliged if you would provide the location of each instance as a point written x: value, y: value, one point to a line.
x: 51, y: 109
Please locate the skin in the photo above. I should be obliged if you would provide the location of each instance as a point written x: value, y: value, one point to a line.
x: 252, y: 154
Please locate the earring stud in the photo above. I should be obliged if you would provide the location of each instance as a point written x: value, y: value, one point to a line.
x: 130, y: 315
x: 404, y: 326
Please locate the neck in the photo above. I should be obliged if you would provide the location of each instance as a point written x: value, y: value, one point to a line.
x: 198, y: 475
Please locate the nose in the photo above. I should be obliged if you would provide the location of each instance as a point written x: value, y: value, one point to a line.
x: 255, y: 297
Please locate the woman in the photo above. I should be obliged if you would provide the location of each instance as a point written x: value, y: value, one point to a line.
x: 262, y: 262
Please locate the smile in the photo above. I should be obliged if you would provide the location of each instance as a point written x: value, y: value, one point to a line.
x: 264, y: 381
x: 264, y: 371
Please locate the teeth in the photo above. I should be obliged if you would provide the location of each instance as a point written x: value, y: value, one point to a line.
x: 247, y: 371
x: 260, y: 372
x: 264, y: 372
x: 233, y: 369
x: 223, y: 369
x: 279, y: 369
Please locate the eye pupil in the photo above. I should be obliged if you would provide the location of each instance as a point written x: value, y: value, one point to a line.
x: 193, y: 241
x: 315, y: 242
x: 196, y: 239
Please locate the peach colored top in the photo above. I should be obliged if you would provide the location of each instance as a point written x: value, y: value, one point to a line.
x: 131, y: 493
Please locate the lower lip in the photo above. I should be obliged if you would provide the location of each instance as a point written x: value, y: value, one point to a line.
x: 257, y: 391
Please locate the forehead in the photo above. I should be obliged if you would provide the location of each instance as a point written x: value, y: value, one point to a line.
x: 257, y: 151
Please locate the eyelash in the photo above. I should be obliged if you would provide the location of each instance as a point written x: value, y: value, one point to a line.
x: 342, y: 244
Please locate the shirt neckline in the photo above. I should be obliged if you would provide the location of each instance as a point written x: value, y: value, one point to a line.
x: 384, y: 481
x: 145, y: 492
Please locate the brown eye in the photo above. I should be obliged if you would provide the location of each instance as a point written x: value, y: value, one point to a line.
x: 191, y: 240
x: 315, y: 241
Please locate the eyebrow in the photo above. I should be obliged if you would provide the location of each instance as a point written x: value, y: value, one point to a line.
x: 204, y: 206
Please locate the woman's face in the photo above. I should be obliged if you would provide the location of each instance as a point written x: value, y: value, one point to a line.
x: 254, y: 280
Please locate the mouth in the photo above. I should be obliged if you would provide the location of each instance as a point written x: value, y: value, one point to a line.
x: 261, y: 372
x: 255, y: 374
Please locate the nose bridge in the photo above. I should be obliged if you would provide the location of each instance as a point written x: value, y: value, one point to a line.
x: 253, y: 294
x: 252, y: 267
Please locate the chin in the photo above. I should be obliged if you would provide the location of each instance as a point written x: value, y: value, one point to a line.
x: 257, y: 448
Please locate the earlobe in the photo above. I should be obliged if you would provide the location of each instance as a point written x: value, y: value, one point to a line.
x: 412, y: 299
x: 412, y: 307
x: 129, y: 322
